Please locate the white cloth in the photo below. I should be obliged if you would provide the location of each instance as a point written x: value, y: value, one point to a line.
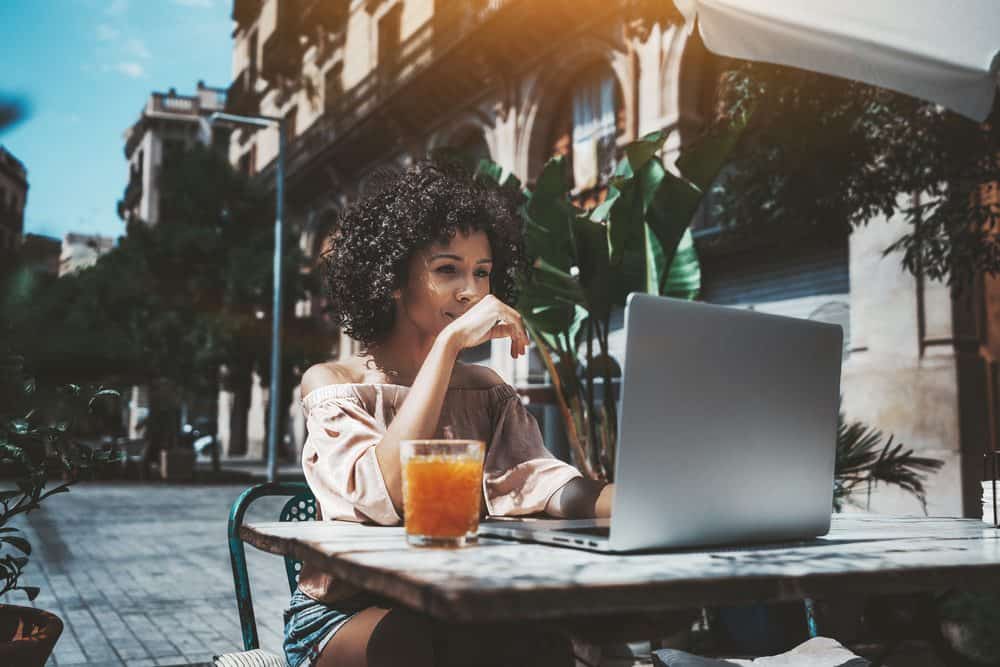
x: 816, y: 652
x: 939, y: 50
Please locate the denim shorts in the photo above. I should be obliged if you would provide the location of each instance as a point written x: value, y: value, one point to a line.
x: 310, y: 624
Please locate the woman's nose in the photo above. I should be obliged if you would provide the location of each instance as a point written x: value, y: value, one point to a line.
x: 467, y: 291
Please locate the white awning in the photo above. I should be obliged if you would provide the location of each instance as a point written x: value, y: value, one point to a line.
x: 944, y: 51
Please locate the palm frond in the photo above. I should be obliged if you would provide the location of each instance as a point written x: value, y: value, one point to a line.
x: 862, y: 459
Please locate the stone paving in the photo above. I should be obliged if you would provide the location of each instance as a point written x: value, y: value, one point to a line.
x: 140, y: 574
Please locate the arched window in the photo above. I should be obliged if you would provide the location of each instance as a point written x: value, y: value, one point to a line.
x: 591, y: 119
x: 471, y: 142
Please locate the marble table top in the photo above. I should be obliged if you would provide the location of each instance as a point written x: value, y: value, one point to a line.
x: 499, y: 580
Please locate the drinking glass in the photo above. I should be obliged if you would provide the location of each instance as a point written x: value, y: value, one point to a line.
x: 442, y: 487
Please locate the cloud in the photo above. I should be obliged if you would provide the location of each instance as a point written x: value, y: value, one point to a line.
x: 136, y: 47
x: 129, y: 69
x: 204, y: 4
x: 116, y: 7
x: 106, y: 33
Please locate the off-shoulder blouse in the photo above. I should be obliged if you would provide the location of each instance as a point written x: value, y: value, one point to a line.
x: 344, y: 422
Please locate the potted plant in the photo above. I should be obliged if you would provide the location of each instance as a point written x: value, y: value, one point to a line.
x: 585, y: 262
x: 36, y: 444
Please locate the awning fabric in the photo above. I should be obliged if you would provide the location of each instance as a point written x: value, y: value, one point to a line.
x: 944, y: 51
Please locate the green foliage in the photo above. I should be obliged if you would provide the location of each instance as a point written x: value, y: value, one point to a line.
x: 37, y: 442
x: 585, y: 263
x: 863, y: 462
x: 835, y: 153
x: 173, y: 301
x: 979, y: 616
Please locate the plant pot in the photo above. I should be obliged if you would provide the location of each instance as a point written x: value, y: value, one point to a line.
x: 177, y: 464
x: 27, y: 635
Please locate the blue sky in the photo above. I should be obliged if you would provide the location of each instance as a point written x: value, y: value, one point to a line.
x: 85, y: 69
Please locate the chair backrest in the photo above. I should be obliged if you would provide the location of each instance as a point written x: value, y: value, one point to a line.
x: 301, y: 507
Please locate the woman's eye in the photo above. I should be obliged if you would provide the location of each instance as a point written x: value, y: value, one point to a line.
x: 482, y: 274
x: 447, y: 268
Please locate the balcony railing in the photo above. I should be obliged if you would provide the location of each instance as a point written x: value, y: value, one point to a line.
x: 175, y: 104
x: 281, y: 55
x: 452, y: 23
x: 437, y: 68
x: 241, y: 98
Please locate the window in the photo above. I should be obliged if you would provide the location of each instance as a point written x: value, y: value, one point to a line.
x: 473, y: 144
x: 594, y: 128
x: 252, y: 58
x: 388, y: 38
x: 333, y: 86
x: 589, y: 120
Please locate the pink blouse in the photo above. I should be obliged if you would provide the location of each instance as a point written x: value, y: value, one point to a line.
x: 345, y: 421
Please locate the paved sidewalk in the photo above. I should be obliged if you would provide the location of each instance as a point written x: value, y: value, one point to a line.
x: 140, y: 573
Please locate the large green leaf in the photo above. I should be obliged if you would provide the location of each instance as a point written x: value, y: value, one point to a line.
x: 701, y: 162
x: 560, y: 284
x: 638, y: 153
x: 668, y: 217
x: 550, y: 216
x: 594, y: 265
x: 684, y: 278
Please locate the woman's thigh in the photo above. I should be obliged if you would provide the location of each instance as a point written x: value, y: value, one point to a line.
x: 379, y: 636
x: 500, y: 645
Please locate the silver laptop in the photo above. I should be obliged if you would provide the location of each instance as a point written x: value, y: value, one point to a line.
x: 727, y: 432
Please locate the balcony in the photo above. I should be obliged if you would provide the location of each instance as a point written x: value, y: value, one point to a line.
x: 245, y: 12
x: 133, y: 191
x: 468, y: 47
x: 241, y: 98
x: 322, y: 16
x: 174, y: 104
x: 300, y: 23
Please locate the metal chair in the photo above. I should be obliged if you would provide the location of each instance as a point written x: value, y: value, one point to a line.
x: 300, y: 507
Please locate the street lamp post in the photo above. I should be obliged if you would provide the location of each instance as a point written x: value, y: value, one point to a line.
x: 275, y: 391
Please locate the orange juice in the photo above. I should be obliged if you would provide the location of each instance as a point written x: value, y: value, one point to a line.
x: 442, y: 487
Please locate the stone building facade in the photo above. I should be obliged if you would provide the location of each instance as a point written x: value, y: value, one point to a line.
x: 79, y: 251
x: 366, y: 83
x: 13, y: 197
x: 169, y: 123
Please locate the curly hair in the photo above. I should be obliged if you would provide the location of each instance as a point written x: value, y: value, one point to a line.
x: 370, y: 247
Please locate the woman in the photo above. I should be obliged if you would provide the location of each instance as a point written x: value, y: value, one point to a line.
x: 417, y: 272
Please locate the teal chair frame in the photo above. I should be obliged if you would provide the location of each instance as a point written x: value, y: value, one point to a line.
x: 300, y: 507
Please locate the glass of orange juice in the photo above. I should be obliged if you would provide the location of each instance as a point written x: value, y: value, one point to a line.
x: 442, y: 487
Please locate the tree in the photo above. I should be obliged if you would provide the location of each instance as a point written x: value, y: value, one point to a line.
x: 172, y: 302
x: 835, y: 153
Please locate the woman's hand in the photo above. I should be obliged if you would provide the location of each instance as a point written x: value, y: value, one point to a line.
x: 488, y: 319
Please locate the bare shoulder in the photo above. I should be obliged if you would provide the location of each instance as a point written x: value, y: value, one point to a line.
x: 474, y: 376
x: 326, y: 373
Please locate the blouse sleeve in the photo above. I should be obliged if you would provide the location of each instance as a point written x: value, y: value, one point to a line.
x: 520, y: 474
x: 339, y: 463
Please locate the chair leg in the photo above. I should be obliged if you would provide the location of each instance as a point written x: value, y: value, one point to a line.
x: 810, y: 609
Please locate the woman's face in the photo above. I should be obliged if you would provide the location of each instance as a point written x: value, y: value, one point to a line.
x: 445, y: 280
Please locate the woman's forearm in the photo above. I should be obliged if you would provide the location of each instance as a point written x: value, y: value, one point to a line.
x: 419, y: 415
x: 581, y: 498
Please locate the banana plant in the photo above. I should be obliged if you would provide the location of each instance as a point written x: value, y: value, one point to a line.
x: 585, y: 262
